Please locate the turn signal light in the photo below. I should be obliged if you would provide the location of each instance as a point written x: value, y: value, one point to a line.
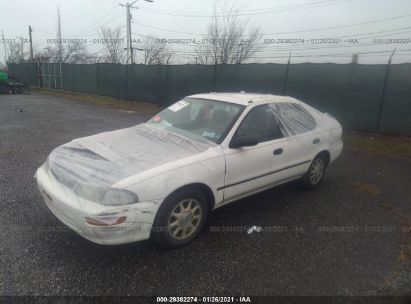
x: 106, y: 221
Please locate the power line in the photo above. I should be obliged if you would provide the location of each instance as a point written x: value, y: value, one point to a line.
x: 222, y: 12
x: 81, y: 34
x: 263, y: 34
x: 305, y: 6
x: 97, y: 27
x: 112, y: 9
x: 327, y: 47
x: 292, y: 32
x: 301, y: 31
x: 304, y: 54
x: 343, y: 26
x: 268, y: 34
x: 265, y: 49
x: 309, y: 55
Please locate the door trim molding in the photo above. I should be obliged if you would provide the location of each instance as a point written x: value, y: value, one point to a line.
x: 262, y: 175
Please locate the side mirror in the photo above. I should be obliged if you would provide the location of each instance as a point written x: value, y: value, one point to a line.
x: 243, y: 141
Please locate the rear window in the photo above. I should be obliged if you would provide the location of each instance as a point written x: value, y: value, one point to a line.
x: 293, y: 118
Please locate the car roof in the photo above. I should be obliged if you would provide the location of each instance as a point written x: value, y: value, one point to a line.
x: 245, y: 98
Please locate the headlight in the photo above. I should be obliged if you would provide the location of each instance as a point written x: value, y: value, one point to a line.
x: 89, y: 192
x: 110, y: 197
x: 118, y: 197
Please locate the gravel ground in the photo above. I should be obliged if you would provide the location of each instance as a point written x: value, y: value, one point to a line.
x: 351, y: 236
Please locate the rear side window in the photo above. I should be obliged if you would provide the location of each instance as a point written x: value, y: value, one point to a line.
x: 293, y: 118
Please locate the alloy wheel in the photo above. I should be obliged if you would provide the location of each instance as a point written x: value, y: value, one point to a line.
x: 185, y: 219
x: 317, y: 171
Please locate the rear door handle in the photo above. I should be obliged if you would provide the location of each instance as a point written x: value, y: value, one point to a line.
x: 278, y: 151
x: 316, y: 141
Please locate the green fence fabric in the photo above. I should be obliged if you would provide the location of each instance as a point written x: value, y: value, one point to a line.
x: 26, y: 73
x: 256, y: 78
x: 350, y: 92
x: 187, y: 80
x: 4, y: 76
x: 146, y: 83
x: 396, y: 112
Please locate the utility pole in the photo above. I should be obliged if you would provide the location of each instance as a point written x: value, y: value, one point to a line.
x: 31, y: 43
x: 129, y: 42
x: 129, y: 58
x: 59, y: 38
x: 128, y: 6
x: 60, y: 42
x: 4, y: 46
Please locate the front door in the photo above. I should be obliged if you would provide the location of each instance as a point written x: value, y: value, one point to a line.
x: 249, y: 169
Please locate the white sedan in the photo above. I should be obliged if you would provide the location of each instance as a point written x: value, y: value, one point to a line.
x: 161, y: 178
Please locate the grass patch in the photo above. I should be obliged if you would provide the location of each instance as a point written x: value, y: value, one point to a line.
x: 111, y: 102
x: 375, y: 144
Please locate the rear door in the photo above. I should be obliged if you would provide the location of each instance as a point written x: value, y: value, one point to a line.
x: 304, y: 137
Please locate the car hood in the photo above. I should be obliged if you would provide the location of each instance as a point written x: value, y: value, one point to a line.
x: 104, y: 159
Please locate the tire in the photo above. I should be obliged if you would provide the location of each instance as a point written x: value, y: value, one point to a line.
x: 315, y: 174
x: 171, y: 230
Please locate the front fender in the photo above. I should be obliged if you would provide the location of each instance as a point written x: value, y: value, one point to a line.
x: 157, y: 184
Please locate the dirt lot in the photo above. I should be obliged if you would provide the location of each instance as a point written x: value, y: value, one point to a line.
x: 352, y: 236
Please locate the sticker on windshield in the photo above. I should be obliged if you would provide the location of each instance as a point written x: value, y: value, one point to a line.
x: 208, y: 134
x: 178, y: 106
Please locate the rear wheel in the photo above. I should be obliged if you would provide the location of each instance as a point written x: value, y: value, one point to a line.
x: 180, y: 218
x: 315, y: 173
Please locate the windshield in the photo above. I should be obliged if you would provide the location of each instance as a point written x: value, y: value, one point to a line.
x: 198, y: 118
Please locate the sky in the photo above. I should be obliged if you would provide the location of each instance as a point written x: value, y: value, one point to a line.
x: 371, y: 28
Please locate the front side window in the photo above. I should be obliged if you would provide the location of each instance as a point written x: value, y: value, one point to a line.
x: 293, y: 118
x: 259, y: 123
x: 198, y: 119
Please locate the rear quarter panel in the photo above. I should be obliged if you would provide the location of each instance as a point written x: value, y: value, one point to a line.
x: 330, y: 131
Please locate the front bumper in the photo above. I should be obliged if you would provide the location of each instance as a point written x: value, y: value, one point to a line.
x: 73, y: 211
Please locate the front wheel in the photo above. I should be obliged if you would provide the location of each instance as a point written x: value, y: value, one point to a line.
x: 180, y: 218
x: 315, y: 173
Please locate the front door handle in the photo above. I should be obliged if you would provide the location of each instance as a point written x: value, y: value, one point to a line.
x: 316, y: 141
x: 278, y: 151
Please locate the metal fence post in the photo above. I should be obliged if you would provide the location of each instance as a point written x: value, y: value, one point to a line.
x: 384, y: 90
x: 165, y: 87
x: 97, y: 76
x: 215, y: 77
x: 61, y: 77
x: 126, y: 80
x: 286, y: 75
x: 74, y: 77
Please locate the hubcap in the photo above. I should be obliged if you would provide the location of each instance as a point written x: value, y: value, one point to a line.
x: 184, y: 219
x: 317, y: 170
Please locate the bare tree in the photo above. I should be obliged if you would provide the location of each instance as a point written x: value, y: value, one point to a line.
x: 15, y: 50
x: 75, y: 52
x: 49, y: 54
x: 227, y: 40
x: 156, y: 51
x: 113, y: 43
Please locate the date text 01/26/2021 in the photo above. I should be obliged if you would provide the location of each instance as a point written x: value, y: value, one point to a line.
x: 241, y: 299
